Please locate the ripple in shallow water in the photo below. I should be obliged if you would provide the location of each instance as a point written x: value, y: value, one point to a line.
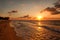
x: 29, y: 31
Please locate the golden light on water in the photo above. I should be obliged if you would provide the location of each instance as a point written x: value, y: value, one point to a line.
x: 39, y: 23
x: 39, y: 26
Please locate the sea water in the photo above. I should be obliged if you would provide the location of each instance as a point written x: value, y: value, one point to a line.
x: 36, y: 30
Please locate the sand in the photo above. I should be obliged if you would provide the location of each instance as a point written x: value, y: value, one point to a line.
x: 6, y: 32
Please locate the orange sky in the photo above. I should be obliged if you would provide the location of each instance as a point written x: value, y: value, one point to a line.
x: 24, y: 7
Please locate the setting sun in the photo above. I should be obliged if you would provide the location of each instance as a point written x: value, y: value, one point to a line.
x: 39, y: 17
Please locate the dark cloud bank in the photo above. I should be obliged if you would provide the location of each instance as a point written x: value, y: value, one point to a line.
x: 54, y: 10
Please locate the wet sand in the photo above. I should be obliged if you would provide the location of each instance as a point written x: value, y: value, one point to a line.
x: 6, y: 32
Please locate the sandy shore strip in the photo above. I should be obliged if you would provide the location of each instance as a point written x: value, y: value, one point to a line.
x: 7, y: 32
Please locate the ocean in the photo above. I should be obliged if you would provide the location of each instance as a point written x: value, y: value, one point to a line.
x: 37, y: 30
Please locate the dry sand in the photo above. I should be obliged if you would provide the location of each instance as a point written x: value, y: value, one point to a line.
x: 6, y: 32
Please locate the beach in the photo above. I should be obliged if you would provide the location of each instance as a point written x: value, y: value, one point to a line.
x: 23, y: 30
x: 6, y: 32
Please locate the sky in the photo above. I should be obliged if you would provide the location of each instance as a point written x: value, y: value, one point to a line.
x: 24, y: 7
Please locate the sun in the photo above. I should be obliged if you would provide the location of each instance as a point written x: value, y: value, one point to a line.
x: 39, y: 17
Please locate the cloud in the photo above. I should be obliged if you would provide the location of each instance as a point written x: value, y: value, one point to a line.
x: 13, y: 11
x: 52, y: 10
x: 57, y: 4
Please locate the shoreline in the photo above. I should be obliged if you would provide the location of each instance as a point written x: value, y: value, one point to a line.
x: 7, y: 32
